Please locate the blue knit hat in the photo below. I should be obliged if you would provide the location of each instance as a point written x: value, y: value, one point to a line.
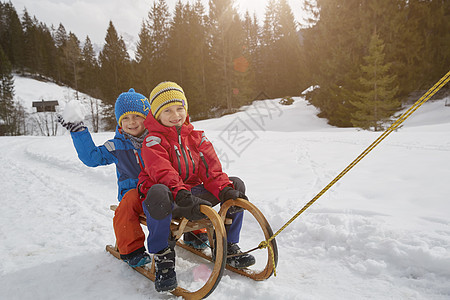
x: 131, y: 103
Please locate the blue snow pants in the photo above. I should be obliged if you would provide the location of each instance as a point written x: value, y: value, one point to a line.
x: 159, y: 197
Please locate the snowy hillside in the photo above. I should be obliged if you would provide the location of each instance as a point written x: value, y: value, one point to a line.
x: 382, y: 232
x: 28, y: 90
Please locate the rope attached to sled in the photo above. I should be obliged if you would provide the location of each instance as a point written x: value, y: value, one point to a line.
x: 442, y: 82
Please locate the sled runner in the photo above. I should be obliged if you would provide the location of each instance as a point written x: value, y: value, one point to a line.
x: 215, y: 226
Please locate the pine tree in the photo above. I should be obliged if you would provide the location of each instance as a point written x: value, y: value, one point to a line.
x: 151, y: 52
x: 177, y: 45
x: 334, y: 47
x: 269, y: 52
x: 6, y: 95
x: 252, y: 51
x: 114, y: 60
x: 30, y: 43
x: 186, y: 54
x: 439, y: 43
x: 12, y: 115
x: 114, y: 71
x: 280, y: 51
x: 226, y: 40
x: 46, y: 52
x: 288, y: 44
x: 415, y: 34
x: 399, y: 28
x: 143, y: 55
x: 11, y: 35
x: 89, y: 71
x: 243, y: 80
x: 159, y: 21
x: 431, y: 25
x: 72, y: 55
x: 89, y: 68
x: 199, y: 37
x: 376, y: 101
x: 60, y: 38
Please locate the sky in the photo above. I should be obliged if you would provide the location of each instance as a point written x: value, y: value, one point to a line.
x: 381, y: 232
x: 91, y: 17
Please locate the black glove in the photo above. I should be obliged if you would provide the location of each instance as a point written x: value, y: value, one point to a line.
x: 72, y: 127
x: 189, y: 205
x: 228, y: 193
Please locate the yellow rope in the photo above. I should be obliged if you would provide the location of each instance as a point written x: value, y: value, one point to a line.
x: 265, y: 244
x: 443, y: 81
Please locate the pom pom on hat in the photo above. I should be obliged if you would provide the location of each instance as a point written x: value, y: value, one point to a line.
x: 166, y: 94
x: 131, y: 103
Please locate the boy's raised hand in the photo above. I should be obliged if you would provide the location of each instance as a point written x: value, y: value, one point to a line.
x: 71, y: 126
x: 72, y: 117
x: 189, y: 205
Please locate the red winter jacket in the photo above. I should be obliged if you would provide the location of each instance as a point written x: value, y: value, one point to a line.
x: 180, y: 159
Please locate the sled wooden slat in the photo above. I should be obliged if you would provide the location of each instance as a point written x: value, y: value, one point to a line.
x: 190, y: 225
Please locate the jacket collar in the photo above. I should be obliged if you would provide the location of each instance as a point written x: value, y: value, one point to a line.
x: 119, y: 133
x: 154, y: 126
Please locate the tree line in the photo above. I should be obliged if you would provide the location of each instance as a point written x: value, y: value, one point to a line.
x: 364, y: 58
x: 368, y: 57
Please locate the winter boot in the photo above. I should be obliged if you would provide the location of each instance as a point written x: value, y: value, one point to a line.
x: 239, y: 261
x: 165, y: 276
x: 197, y: 239
x: 138, y: 259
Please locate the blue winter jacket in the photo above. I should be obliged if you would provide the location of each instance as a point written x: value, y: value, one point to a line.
x: 118, y: 150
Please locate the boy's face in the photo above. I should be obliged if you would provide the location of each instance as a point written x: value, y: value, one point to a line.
x: 133, y: 124
x: 174, y: 115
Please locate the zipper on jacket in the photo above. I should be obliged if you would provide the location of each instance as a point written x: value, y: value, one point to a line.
x: 178, y: 158
x: 138, y: 159
x: 184, y: 155
x: 204, y: 161
x: 192, y: 160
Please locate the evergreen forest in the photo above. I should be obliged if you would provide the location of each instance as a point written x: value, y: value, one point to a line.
x: 364, y: 59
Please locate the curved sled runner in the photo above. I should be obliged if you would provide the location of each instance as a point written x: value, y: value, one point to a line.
x: 267, y: 230
x: 214, y: 224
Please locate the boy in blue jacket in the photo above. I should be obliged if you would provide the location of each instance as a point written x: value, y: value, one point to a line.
x: 124, y: 150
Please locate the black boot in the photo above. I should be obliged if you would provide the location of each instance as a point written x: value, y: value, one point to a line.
x: 165, y: 276
x: 137, y: 258
x: 196, y: 240
x: 239, y: 261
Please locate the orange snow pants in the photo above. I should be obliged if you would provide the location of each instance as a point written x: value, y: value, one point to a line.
x: 129, y: 234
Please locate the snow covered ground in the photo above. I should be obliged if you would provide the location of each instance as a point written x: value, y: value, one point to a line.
x: 382, y: 232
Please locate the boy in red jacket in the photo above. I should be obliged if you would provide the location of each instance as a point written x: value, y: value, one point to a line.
x: 182, y: 171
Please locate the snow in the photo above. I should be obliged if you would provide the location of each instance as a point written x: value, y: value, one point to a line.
x: 73, y: 112
x: 381, y: 232
x: 28, y: 90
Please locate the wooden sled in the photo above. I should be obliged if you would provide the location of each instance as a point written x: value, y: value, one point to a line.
x: 214, y: 224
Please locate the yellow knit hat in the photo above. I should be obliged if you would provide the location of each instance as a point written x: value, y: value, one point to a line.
x: 166, y: 94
